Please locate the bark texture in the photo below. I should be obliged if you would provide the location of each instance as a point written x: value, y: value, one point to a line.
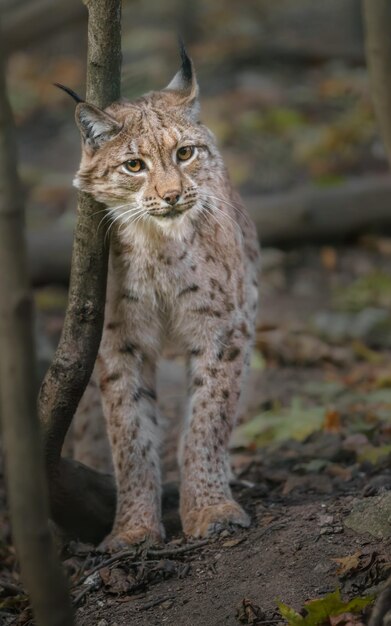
x: 377, y: 24
x: 381, y: 613
x: 377, y: 21
x: 83, y: 501
x: 27, y: 489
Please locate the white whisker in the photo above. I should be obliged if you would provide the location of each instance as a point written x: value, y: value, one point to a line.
x: 235, y: 207
x: 218, y: 212
x: 209, y: 211
x: 118, y: 217
x: 223, y: 213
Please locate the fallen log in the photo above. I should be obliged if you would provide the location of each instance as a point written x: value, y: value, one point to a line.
x: 310, y: 214
x: 315, y: 214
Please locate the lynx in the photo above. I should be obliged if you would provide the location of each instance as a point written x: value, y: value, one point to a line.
x: 183, y: 266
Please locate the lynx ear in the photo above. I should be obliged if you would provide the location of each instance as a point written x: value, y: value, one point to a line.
x: 185, y: 84
x: 95, y: 125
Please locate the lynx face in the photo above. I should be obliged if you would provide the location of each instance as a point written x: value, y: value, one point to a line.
x: 150, y: 161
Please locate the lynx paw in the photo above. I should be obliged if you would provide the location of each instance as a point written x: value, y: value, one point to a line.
x: 118, y: 541
x: 213, y: 519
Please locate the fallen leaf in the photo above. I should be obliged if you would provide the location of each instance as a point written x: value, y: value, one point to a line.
x: 294, y: 422
x: 348, y: 563
x: 14, y: 602
x: 338, y: 471
x: 257, y: 361
x: 117, y: 581
x: 362, y: 351
x: 374, y: 454
x: 319, y: 611
x: 309, y: 482
x: 105, y: 573
x: 332, y: 422
x: 328, y: 257
x: 249, y: 613
x: 345, y: 619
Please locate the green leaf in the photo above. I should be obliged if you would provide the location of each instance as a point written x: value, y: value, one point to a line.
x: 318, y: 611
x: 13, y: 602
x: 358, y: 604
x: 257, y: 361
x: 373, y: 454
x: 294, y: 422
x: 374, y: 289
x: 292, y: 617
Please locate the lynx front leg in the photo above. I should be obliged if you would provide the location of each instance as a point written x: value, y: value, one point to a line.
x: 207, y: 505
x: 127, y: 380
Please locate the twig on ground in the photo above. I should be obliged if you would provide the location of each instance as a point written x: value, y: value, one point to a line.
x: 164, y: 552
x: 81, y: 595
x: 175, y: 551
x: 107, y: 563
x: 156, y: 602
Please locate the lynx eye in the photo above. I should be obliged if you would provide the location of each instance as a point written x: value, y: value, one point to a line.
x: 184, y: 154
x: 135, y: 165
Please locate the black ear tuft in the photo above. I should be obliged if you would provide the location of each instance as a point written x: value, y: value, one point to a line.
x: 70, y: 92
x: 186, y: 68
x: 184, y: 84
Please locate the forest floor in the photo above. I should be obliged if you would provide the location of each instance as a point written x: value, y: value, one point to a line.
x: 310, y: 455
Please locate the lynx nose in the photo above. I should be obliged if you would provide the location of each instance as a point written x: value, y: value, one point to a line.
x: 172, y: 197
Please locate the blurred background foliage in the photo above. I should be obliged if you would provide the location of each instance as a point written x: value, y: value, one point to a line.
x: 283, y: 87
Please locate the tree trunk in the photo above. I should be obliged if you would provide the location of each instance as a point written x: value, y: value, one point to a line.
x: 83, y: 501
x: 377, y: 24
x: 381, y: 613
x: 27, y: 489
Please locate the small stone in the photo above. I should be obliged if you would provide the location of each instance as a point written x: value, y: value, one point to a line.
x: 371, y: 515
x: 93, y: 581
x: 326, y: 520
x: 167, y: 604
x: 337, y: 530
x: 323, y: 567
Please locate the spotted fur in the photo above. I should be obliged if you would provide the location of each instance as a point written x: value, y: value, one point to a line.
x: 183, y: 265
